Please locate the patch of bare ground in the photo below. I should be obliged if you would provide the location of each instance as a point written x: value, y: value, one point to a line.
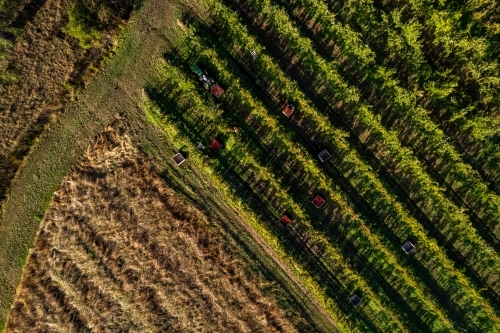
x: 120, y: 251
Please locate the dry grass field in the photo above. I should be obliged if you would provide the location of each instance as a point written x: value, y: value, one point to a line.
x: 120, y: 251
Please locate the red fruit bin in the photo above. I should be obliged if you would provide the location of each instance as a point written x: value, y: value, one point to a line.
x: 288, y: 110
x: 217, y: 91
x: 284, y: 220
x: 215, y: 145
x: 318, y: 201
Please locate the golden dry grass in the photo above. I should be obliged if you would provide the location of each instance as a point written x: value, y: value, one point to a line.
x: 120, y: 251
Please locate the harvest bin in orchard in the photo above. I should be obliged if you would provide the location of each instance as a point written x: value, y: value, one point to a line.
x: 408, y: 247
x: 318, y: 201
x: 217, y: 90
x: 324, y: 155
x: 179, y: 159
x: 288, y: 110
x: 215, y: 145
x: 284, y: 220
x: 355, y: 300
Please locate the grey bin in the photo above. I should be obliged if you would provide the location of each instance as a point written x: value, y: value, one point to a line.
x: 408, y: 247
x: 324, y: 155
x: 355, y: 300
